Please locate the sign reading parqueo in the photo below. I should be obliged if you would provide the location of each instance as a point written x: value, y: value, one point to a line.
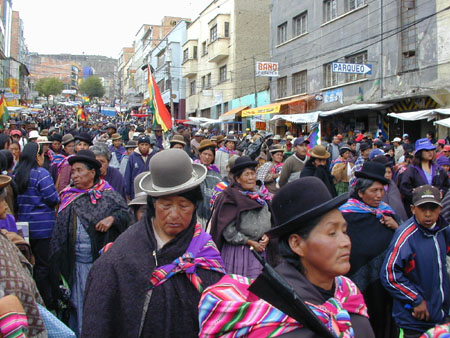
x: 266, y: 68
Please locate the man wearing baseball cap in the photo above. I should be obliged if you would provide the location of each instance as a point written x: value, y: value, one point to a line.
x: 295, y: 163
x: 138, y: 162
x: 398, y: 149
x: 414, y: 270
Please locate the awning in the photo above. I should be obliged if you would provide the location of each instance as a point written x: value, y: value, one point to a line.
x: 274, y: 108
x: 444, y: 122
x: 353, y: 107
x: 202, y: 121
x: 231, y: 114
x: 429, y: 114
x: 298, y: 118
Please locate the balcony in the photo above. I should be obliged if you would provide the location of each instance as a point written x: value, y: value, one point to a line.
x: 219, y: 50
x: 190, y: 68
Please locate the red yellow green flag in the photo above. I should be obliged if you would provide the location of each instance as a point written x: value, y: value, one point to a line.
x: 81, y: 114
x: 4, y: 114
x: 159, y: 110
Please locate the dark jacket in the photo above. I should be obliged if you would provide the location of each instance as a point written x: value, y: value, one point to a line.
x: 311, y: 294
x: 135, y: 166
x: 322, y: 173
x: 119, y: 280
x: 413, y: 178
x: 414, y: 270
x: 115, y: 179
x: 394, y: 199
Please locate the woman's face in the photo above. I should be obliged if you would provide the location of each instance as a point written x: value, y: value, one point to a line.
x: 319, y: 161
x: 82, y: 177
x: 206, y: 157
x: 104, y: 168
x: 247, y: 180
x: 277, y: 157
x: 15, y: 150
x: 172, y: 215
x: 230, y: 145
x: 56, y: 146
x: 178, y: 146
x: 3, y: 208
x: 427, y: 155
x: 40, y: 159
x: 388, y: 173
x: 70, y: 148
x: 325, y: 254
x: 373, y: 195
x: 81, y: 145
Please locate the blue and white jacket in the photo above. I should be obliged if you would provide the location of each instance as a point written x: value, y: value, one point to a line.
x: 37, y: 204
x: 415, y: 270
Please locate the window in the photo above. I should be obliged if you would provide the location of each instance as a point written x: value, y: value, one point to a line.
x: 353, y: 4
x: 195, y: 53
x: 203, y: 82
x: 282, y: 33
x: 213, y: 33
x: 227, y: 30
x: 204, y: 48
x: 206, y: 113
x: 299, y: 24
x: 219, y: 109
x: 222, y: 74
x: 329, y: 10
x: 161, y: 59
x: 329, y: 78
x: 161, y: 86
x: 282, y: 87
x: 225, y: 107
x: 360, y: 58
x: 208, y: 80
x: 193, y: 84
x: 299, y: 83
x: 408, y: 35
x: 185, y: 54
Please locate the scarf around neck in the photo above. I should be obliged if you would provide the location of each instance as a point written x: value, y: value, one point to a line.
x: 261, y: 196
x: 225, y: 150
x: 354, y: 205
x: 212, y: 166
x: 69, y: 194
x: 201, y: 253
x: 228, y: 309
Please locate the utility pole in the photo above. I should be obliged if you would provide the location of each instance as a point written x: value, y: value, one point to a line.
x: 170, y: 89
x: 254, y: 81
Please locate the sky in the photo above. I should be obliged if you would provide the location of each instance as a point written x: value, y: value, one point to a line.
x: 94, y: 27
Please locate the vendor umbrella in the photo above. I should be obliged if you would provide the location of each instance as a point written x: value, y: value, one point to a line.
x: 272, y: 287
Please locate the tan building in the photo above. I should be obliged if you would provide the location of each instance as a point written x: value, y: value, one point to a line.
x: 219, y: 56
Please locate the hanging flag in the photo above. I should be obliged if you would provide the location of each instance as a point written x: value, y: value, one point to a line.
x: 159, y: 110
x: 314, y: 135
x: 4, y: 114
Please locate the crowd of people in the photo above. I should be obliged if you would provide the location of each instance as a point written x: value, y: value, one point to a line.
x: 113, y: 228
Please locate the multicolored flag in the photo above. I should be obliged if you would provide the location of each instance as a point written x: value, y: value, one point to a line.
x: 314, y: 135
x: 81, y: 115
x: 159, y: 110
x: 4, y: 114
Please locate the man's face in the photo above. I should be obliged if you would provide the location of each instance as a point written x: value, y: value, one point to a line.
x: 301, y: 149
x: 336, y: 140
x: 426, y: 214
x: 144, y: 148
x: 366, y: 153
x: 117, y: 143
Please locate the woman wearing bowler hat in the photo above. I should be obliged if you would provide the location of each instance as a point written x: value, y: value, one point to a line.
x: 371, y: 225
x: 315, y: 251
x: 148, y: 284
x: 240, y: 218
x: 91, y: 215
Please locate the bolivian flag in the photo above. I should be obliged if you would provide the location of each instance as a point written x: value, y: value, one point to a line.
x: 4, y: 114
x: 160, y: 113
x: 82, y: 116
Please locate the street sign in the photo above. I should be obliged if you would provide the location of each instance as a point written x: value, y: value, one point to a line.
x: 266, y: 68
x: 351, y: 68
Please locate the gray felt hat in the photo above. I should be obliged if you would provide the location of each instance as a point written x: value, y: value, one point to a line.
x: 140, y: 197
x: 172, y: 172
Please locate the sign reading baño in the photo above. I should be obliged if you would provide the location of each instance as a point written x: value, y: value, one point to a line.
x: 266, y: 68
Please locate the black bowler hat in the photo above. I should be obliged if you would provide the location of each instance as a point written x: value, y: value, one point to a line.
x: 363, y: 146
x: 242, y: 163
x: 300, y: 201
x: 373, y: 171
x: 85, y: 156
x: 85, y: 137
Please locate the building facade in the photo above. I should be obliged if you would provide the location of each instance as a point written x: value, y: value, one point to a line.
x: 219, y: 56
x: 398, y: 39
